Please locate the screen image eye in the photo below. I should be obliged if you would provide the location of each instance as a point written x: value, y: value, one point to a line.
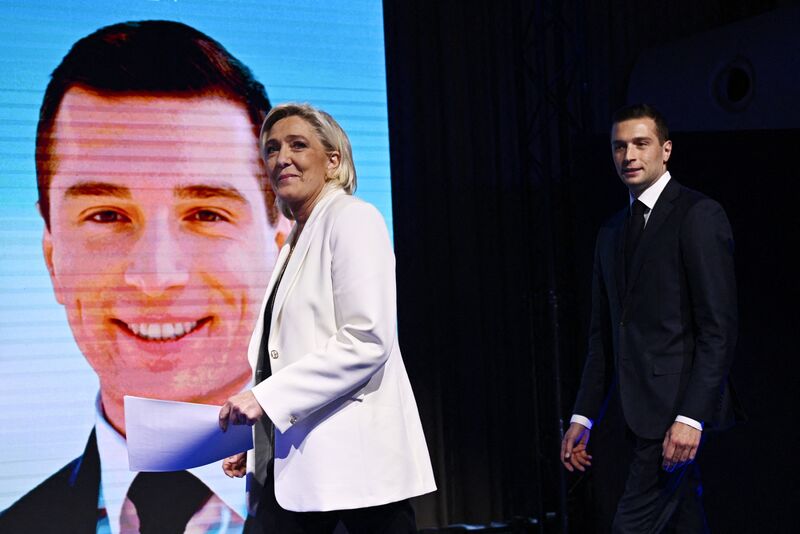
x: 207, y: 216
x: 107, y: 216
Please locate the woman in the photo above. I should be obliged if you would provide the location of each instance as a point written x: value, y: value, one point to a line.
x: 348, y: 444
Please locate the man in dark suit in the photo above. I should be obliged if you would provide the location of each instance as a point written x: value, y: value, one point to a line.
x: 662, y: 334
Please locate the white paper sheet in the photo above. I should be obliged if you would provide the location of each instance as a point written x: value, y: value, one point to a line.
x: 169, y: 435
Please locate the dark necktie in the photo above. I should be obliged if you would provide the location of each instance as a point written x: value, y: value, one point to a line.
x: 165, y: 502
x: 635, y: 228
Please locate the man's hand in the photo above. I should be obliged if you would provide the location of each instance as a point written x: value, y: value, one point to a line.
x: 580, y: 457
x: 573, y: 448
x: 236, y: 465
x: 241, y: 409
x: 680, y: 446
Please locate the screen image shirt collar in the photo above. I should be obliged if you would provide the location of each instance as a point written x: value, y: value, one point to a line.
x: 116, y: 477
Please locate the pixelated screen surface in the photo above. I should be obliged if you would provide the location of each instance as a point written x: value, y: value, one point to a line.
x: 138, y: 269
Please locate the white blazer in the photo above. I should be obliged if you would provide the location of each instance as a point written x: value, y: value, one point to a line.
x: 347, y: 430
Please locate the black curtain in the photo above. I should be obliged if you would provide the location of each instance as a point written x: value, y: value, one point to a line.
x: 498, y: 114
x: 469, y: 260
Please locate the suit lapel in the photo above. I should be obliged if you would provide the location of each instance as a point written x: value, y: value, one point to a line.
x: 300, y: 252
x: 619, y: 253
x: 79, y: 503
x: 659, y: 214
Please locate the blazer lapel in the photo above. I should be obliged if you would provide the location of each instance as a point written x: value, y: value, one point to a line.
x: 258, y: 331
x: 659, y: 214
x: 299, y: 254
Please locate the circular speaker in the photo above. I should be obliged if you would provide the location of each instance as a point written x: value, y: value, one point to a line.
x: 733, y: 85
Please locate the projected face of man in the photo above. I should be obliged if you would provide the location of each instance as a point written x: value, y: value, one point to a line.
x: 159, y: 246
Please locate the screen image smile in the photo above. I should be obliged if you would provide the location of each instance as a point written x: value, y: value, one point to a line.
x: 168, y: 343
x: 162, y: 331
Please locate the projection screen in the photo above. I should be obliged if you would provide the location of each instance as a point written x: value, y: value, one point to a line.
x: 329, y: 54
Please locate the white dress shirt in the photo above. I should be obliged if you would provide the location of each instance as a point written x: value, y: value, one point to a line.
x: 116, y: 478
x: 649, y: 197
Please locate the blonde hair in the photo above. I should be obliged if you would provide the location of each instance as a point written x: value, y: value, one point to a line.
x: 330, y: 134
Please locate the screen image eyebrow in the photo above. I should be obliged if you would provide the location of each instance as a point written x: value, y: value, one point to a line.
x: 209, y: 191
x: 97, y: 189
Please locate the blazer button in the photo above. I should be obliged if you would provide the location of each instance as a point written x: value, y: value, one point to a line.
x: 292, y: 420
x: 621, y: 323
x: 274, y: 354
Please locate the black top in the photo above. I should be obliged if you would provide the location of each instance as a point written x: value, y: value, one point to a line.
x: 263, y: 368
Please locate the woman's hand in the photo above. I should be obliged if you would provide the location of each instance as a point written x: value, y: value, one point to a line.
x: 241, y: 409
x: 236, y: 465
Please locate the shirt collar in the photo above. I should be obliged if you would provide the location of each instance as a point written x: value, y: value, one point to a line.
x: 116, y: 477
x: 650, y: 195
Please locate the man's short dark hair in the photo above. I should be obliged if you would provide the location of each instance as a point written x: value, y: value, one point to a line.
x: 641, y: 111
x: 153, y: 56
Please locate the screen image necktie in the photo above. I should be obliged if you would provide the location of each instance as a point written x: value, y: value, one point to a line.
x: 165, y: 502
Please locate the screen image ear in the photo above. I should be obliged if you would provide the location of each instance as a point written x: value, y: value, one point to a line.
x: 47, y: 251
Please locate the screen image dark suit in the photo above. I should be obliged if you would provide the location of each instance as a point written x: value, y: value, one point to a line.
x: 664, y: 338
x: 65, y: 503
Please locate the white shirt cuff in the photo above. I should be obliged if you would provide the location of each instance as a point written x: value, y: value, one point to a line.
x: 689, y: 421
x: 585, y: 421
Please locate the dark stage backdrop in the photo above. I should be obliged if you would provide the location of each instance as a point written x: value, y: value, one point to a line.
x: 471, y: 272
x: 501, y: 175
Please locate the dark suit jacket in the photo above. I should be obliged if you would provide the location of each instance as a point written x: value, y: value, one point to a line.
x: 667, y: 335
x: 65, y: 503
